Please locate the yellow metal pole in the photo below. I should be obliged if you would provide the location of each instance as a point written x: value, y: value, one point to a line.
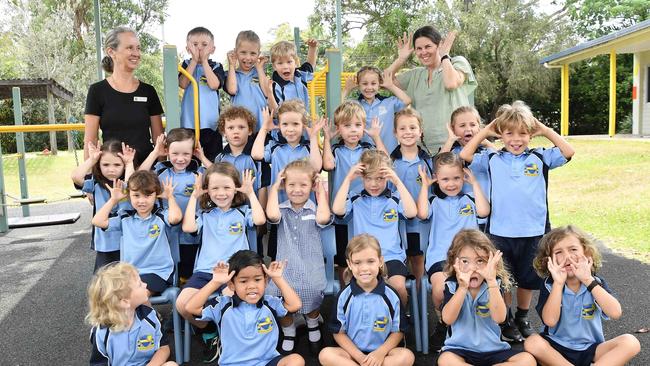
x: 43, y: 128
x: 564, y: 103
x: 195, y: 89
x: 612, y: 93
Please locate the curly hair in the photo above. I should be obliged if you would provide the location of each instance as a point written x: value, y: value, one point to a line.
x: 550, y: 239
x: 107, y: 288
x: 235, y: 112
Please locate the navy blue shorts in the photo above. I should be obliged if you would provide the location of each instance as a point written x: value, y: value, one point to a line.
x: 412, y: 244
x: 187, y: 253
x: 577, y: 358
x: 436, y: 267
x: 341, y: 235
x: 211, y: 142
x: 483, y: 358
x: 518, y: 255
x: 104, y: 258
x: 155, y: 283
x: 274, y: 361
x: 396, y: 268
x: 198, y: 280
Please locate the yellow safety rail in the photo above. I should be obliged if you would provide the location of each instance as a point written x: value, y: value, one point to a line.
x: 43, y: 128
x: 317, y: 87
x: 195, y: 89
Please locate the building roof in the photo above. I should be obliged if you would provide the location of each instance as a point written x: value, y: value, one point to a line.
x: 628, y: 40
x: 34, y: 89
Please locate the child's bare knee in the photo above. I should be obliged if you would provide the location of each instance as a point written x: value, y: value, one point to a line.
x: 535, y: 344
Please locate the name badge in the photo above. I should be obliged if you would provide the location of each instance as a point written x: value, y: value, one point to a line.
x: 308, y: 217
x: 139, y: 99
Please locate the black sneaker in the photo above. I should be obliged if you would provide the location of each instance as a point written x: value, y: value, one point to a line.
x: 523, y: 325
x: 510, y: 333
x: 437, y: 340
x: 212, y: 349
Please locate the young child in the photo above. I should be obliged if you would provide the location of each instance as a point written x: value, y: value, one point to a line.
x: 368, y: 321
x: 125, y: 330
x: 408, y: 157
x: 473, y: 305
x: 369, y: 80
x: 221, y: 224
x: 144, y: 241
x: 287, y: 81
x: 300, y: 221
x: 246, y: 81
x: 518, y: 196
x: 350, y: 123
x: 572, y: 303
x: 113, y: 160
x: 182, y: 169
x: 210, y: 77
x: 376, y: 210
x: 247, y: 320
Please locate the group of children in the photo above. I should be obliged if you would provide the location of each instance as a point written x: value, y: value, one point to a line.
x: 456, y: 216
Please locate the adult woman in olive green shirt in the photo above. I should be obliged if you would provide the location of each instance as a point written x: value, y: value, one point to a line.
x: 439, y: 86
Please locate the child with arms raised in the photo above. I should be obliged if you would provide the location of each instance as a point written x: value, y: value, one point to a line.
x: 247, y: 319
x: 125, y: 330
x: 572, y: 303
x: 368, y: 321
x: 289, y: 82
x: 473, y: 305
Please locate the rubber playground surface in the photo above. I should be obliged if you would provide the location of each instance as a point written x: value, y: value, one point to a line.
x: 44, y: 272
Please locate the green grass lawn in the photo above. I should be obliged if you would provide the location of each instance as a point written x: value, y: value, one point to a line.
x: 604, y: 189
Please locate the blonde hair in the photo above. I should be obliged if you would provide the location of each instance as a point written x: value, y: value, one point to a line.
x: 465, y: 109
x: 550, y: 239
x: 284, y: 49
x: 372, y: 69
x: 249, y: 36
x: 347, y: 110
x: 478, y: 241
x: 374, y: 160
x: 361, y: 242
x: 112, y: 41
x: 294, y: 105
x: 514, y: 117
x: 448, y: 159
x: 108, y: 287
x: 300, y: 166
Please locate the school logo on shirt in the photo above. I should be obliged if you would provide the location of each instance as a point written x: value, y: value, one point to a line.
x: 154, y: 231
x: 588, y: 311
x: 380, y: 324
x: 264, y: 325
x: 145, y: 343
x: 189, y: 188
x: 235, y: 228
x: 531, y: 170
x: 382, y: 110
x: 203, y: 80
x: 418, y: 180
x: 255, y: 80
x: 390, y: 215
x: 483, y: 310
x: 466, y: 210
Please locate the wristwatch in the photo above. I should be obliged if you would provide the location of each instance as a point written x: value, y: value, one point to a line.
x: 445, y: 57
x: 594, y: 283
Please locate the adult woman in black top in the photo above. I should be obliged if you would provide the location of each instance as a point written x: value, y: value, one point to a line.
x: 123, y: 107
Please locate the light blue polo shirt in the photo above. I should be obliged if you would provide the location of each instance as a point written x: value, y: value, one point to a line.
x: 481, y: 175
x: 103, y: 241
x: 249, y: 332
x: 295, y: 88
x: 242, y: 162
x: 279, y: 153
x: 580, y: 323
x: 249, y: 94
x: 208, y: 98
x: 448, y: 215
x: 223, y: 233
x: 368, y: 318
x: 133, y: 347
x: 474, y: 330
x: 144, y: 241
x: 379, y: 217
x: 183, y: 182
x: 384, y: 108
x: 345, y: 158
x: 518, y: 195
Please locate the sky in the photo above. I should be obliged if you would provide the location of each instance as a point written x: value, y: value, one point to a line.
x: 225, y: 19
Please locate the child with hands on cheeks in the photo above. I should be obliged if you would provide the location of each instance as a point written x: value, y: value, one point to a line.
x: 473, y: 305
x: 247, y: 319
x: 113, y: 160
x: 376, y: 209
x: 299, y: 222
x: 572, y: 303
x: 368, y: 321
x: 144, y: 242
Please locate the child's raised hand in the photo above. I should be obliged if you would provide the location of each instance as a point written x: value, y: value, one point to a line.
x: 275, y: 269
x: 424, y: 176
x: 316, y: 126
x: 198, y: 151
x: 220, y: 273
x: 450, y: 133
x: 351, y: 83
x: 388, y: 80
x: 312, y: 43
x: 94, y: 151
x: 194, y: 52
x: 557, y: 271
x: 582, y: 268
x: 117, y: 190
x: 491, y: 129
x: 405, y: 46
x: 278, y: 182
x: 469, y: 176
x: 261, y: 61
x: 447, y: 42
x: 330, y: 131
x: 267, y: 119
x: 159, y: 147
x: 168, y: 188
x: 462, y: 277
x: 127, y: 155
x: 232, y: 58
x: 247, y: 180
x: 356, y: 171
x: 375, y: 129
x: 198, y: 186
x: 539, y: 129
x: 389, y: 173
x: 489, y: 272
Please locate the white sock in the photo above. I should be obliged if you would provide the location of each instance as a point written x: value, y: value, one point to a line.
x: 290, y: 331
x: 314, y: 335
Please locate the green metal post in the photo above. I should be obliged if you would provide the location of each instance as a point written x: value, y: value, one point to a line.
x: 297, y: 41
x: 170, y: 84
x: 333, y: 80
x: 339, y: 39
x: 98, y: 40
x: 4, y: 226
x: 20, y: 145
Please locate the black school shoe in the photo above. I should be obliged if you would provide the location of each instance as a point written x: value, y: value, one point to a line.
x: 523, y: 325
x: 510, y: 332
x: 315, y: 347
x: 437, y: 340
